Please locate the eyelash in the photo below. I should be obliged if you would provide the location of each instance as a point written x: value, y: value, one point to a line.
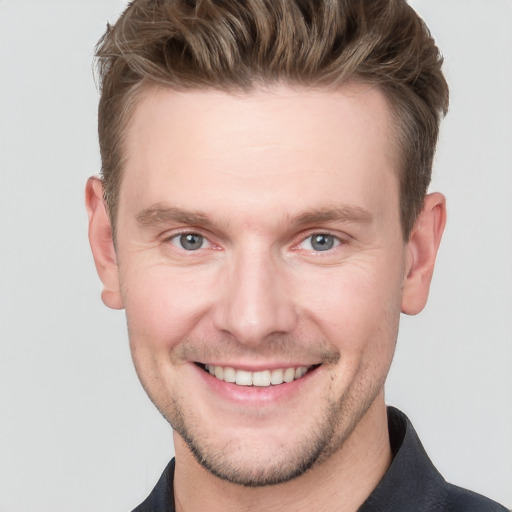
x: 320, y: 237
x: 177, y: 238
x: 331, y: 241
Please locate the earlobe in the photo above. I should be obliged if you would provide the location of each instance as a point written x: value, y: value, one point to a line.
x: 421, y: 250
x: 102, y: 244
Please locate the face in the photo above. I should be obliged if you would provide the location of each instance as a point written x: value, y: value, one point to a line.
x: 261, y: 265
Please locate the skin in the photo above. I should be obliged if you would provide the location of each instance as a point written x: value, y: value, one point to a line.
x: 256, y: 175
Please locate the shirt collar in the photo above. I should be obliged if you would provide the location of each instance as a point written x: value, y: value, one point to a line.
x: 411, y: 481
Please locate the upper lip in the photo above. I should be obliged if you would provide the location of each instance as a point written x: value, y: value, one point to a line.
x: 258, y: 367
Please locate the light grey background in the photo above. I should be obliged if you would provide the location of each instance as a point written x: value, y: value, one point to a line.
x: 76, y: 431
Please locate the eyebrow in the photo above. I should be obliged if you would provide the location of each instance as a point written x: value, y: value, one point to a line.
x: 344, y: 213
x: 161, y: 214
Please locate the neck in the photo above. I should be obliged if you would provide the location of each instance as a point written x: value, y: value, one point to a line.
x: 342, y: 482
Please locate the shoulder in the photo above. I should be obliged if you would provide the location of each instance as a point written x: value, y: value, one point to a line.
x: 412, y: 483
x: 463, y: 500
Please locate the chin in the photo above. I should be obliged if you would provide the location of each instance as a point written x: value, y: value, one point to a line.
x: 264, y: 457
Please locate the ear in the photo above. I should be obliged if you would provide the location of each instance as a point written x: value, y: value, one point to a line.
x: 421, y: 251
x: 102, y: 244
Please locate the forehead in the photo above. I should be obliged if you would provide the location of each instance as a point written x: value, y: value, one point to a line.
x: 210, y: 115
x: 261, y: 146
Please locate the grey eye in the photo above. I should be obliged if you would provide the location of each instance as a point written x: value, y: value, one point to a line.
x: 320, y: 242
x: 190, y: 241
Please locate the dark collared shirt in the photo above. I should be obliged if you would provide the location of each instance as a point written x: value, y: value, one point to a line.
x: 411, y: 484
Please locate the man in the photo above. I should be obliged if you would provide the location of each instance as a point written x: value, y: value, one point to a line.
x: 263, y: 219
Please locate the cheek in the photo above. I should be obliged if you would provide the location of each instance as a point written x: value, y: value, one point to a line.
x: 162, y: 306
x: 358, y: 308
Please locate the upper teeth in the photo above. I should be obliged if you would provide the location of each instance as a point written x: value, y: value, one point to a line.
x: 262, y: 378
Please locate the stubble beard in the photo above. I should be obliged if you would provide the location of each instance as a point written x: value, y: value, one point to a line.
x: 325, y: 437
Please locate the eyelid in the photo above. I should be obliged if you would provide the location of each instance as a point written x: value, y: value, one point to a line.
x: 175, y: 240
x: 338, y: 240
x: 173, y: 237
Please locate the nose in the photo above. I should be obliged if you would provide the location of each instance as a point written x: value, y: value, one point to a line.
x: 255, y: 299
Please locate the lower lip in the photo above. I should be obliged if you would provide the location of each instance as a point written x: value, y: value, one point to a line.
x: 255, y: 394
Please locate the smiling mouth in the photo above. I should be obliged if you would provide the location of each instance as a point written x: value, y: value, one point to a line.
x: 262, y: 378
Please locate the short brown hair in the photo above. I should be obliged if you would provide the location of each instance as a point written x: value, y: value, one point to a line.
x: 238, y: 44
